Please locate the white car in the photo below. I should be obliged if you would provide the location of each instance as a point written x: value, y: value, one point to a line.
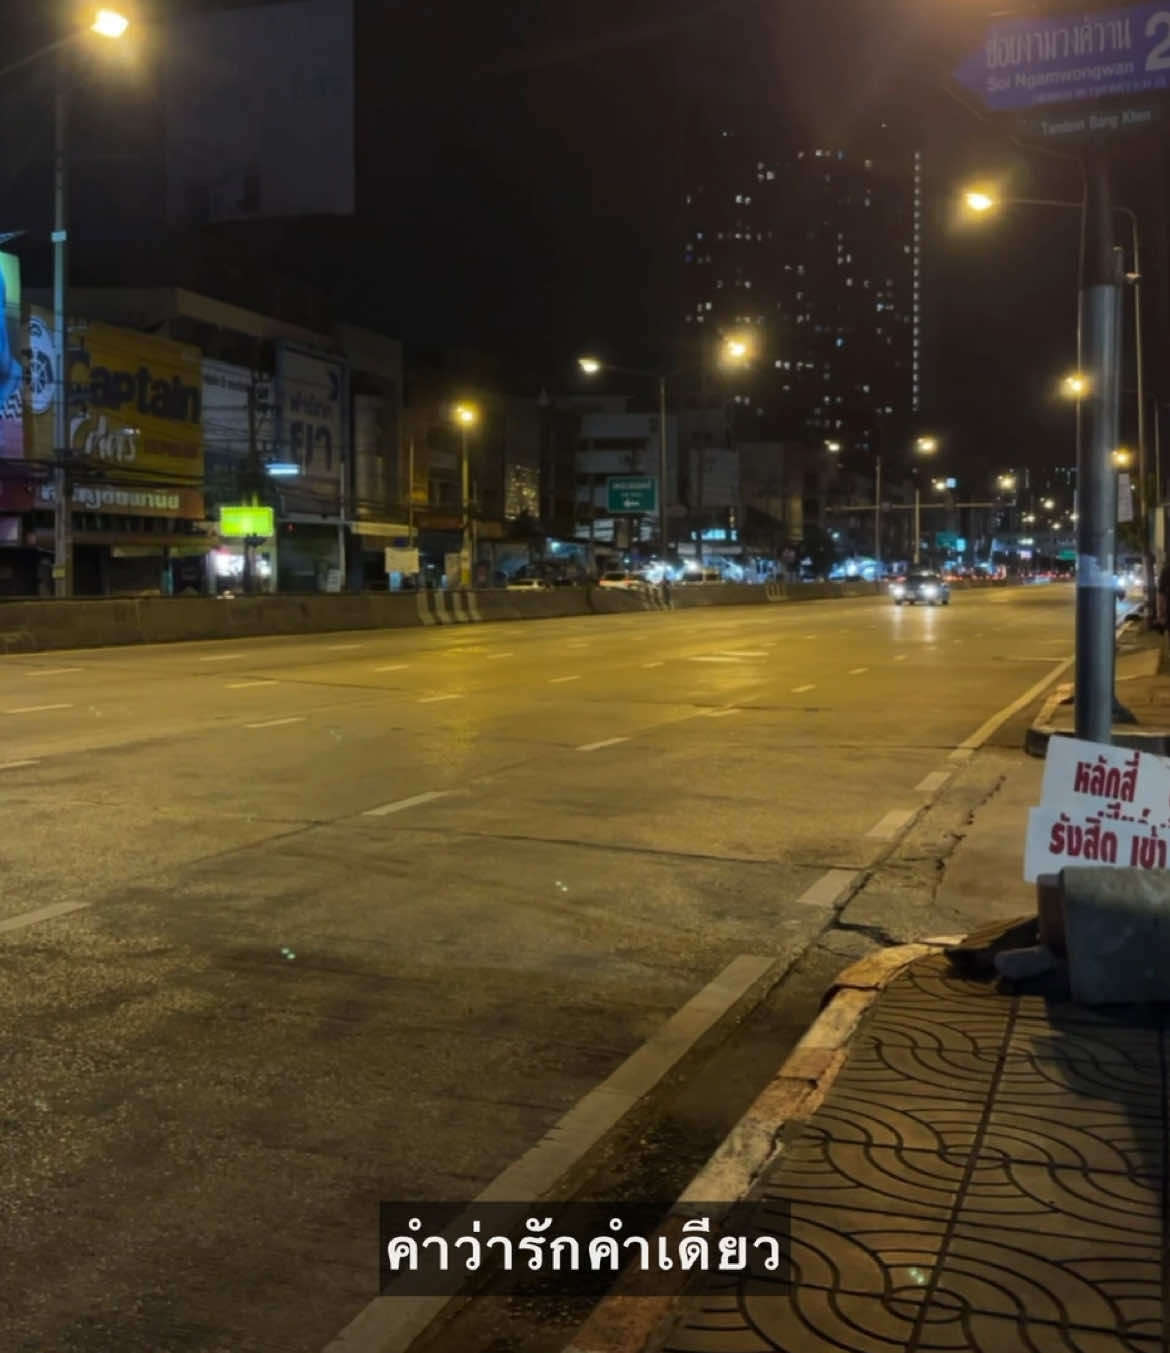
x: 629, y: 581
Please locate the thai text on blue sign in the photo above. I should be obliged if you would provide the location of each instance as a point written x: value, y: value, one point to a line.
x: 1037, y: 61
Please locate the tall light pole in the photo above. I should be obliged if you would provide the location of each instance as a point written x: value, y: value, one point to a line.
x: 924, y: 446
x: 979, y: 202
x: 107, y: 23
x: 735, y: 351
x: 466, y: 416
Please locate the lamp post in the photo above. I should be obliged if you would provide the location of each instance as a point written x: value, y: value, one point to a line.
x: 466, y: 416
x: 979, y: 202
x: 924, y: 446
x: 735, y: 351
x: 107, y: 23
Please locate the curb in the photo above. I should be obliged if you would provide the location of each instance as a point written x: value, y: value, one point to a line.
x: 1042, y: 730
x: 623, y: 1323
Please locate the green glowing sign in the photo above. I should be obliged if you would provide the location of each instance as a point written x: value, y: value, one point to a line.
x: 246, y: 521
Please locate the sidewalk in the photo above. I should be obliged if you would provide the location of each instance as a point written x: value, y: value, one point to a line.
x: 1142, y: 687
x: 976, y: 1167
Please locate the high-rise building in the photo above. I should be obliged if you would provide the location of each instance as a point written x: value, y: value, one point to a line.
x: 816, y: 251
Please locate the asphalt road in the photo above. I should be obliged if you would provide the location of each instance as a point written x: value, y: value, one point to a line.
x: 344, y: 918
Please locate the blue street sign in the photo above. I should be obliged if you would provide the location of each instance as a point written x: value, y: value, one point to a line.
x: 1038, y: 62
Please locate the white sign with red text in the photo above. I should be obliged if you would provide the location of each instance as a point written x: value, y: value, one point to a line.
x: 1103, y: 806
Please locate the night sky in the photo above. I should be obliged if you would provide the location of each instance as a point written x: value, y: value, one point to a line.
x: 520, y: 167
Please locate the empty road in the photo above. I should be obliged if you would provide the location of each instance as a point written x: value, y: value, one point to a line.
x: 288, y: 926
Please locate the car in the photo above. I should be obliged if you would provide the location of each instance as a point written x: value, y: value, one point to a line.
x: 527, y: 585
x: 700, y: 577
x: 616, y: 578
x: 928, y: 588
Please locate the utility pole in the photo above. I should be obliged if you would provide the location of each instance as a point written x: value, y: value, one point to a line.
x: 1100, y: 319
x: 62, y: 488
x: 662, y: 464
x: 877, y: 517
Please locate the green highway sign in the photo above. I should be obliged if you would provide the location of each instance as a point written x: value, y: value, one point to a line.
x: 243, y: 522
x: 632, y: 494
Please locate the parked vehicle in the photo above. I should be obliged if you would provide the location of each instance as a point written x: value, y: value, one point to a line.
x: 527, y: 585
x: 630, y: 582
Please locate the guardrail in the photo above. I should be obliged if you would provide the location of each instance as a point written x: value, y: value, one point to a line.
x: 39, y: 626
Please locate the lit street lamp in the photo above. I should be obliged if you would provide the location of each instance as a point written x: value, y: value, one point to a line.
x: 736, y: 351
x: 1075, y: 386
x: 1007, y: 482
x: 924, y: 446
x: 1122, y: 458
x: 107, y: 23
x: 466, y: 416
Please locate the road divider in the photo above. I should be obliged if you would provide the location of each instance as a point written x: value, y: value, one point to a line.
x: 45, y: 625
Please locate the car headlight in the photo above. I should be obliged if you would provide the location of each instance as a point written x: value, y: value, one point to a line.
x: 898, y: 591
x: 930, y: 591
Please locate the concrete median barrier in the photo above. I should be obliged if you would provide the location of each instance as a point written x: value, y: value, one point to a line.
x: 36, y: 625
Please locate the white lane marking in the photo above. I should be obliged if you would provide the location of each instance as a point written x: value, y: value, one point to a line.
x: 413, y: 802
x: 639, y: 638
x: 393, y: 667
x: 276, y: 723
x: 54, y: 671
x: 35, y: 709
x: 744, y: 653
x: 828, y: 890
x: 800, y: 690
x: 808, y: 636
x: 341, y: 648
x: 717, y: 657
x: 992, y: 725
x: 857, y: 671
x: 647, y: 665
x: 247, y: 685
x: 933, y: 781
x: 901, y: 657
x: 597, y: 746
x: 437, y: 699
x: 225, y: 657
x: 43, y: 914
x: 16, y: 765
x: 719, y: 713
x: 395, y: 1324
x: 500, y: 655
x: 558, y: 681
x: 891, y: 824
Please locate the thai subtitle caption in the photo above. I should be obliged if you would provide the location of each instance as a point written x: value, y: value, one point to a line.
x: 574, y: 1249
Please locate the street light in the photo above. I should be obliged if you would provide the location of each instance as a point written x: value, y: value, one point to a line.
x: 590, y: 365
x: 1007, y: 482
x: 924, y: 446
x: 1048, y: 504
x: 108, y: 23
x: 466, y: 416
x: 979, y: 201
x: 1075, y: 386
x: 1122, y: 458
x: 833, y: 447
x: 737, y: 351
x: 111, y: 24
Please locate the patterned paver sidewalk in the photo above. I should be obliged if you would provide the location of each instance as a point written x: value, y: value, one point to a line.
x: 986, y: 1172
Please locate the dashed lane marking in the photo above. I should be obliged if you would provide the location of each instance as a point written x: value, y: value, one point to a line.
x: 647, y: 665
x: 935, y: 780
x: 800, y: 690
x: 890, y: 825
x: 276, y: 723
x: 435, y: 699
x: 829, y: 889
x: 247, y: 685
x: 53, y: 671
x: 35, y: 709
x: 597, y: 746
x: 341, y: 648
x: 857, y: 671
x: 17, y: 765
x: 559, y: 681
x: 399, y: 805
x: 393, y: 667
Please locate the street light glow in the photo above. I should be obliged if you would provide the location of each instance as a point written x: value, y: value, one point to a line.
x: 1048, y: 504
x: 1075, y: 385
x: 926, y: 446
x: 590, y: 365
x: 1007, y: 481
x: 467, y: 414
x: 833, y: 446
x: 108, y: 23
x: 737, y: 350
x: 979, y: 201
x: 1123, y: 458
